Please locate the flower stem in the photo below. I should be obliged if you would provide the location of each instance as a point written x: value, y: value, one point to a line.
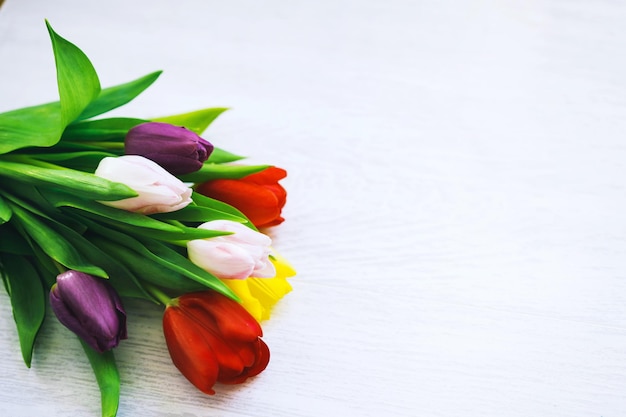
x: 158, y: 294
x: 59, y: 267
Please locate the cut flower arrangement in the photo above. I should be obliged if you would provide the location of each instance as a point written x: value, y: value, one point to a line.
x: 95, y: 210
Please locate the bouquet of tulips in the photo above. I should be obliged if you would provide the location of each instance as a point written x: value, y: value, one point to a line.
x: 94, y: 210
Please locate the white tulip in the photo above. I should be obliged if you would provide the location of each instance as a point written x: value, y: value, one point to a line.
x: 243, y: 254
x: 159, y: 191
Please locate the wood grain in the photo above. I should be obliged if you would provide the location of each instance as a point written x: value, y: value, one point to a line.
x: 456, y: 200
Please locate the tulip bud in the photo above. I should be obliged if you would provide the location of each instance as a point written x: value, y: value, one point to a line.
x: 212, y: 338
x: 159, y: 191
x: 243, y: 254
x: 178, y: 150
x: 259, y: 196
x: 89, y: 307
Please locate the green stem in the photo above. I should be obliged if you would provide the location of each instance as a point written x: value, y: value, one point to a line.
x: 59, y: 267
x: 158, y: 294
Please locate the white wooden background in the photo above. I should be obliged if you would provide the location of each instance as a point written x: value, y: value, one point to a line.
x: 456, y: 212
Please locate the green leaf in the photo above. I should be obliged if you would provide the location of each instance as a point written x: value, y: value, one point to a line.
x: 80, y: 183
x: 27, y: 300
x: 113, y: 97
x: 183, y: 233
x: 135, y: 223
x: 108, y: 377
x: 194, y: 213
x: 76, y: 78
x: 5, y: 211
x: 146, y: 269
x: 54, y: 244
x: 196, y: 121
x: 119, y: 276
x: 210, y: 172
x: 31, y: 126
x: 42, y: 125
x: 112, y: 129
x: 204, y: 201
x: 111, y: 215
x: 12, y: 242
x: 220, y: 156
x: 173, y: 260
x: 160, y: 254
x: 80, y: 160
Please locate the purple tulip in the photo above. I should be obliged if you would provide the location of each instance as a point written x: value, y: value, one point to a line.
x: 89, y: 307
x: 178, y: 150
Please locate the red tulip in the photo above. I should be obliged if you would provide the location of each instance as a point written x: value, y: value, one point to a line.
x: 258, y: 196
x: 212, y: 338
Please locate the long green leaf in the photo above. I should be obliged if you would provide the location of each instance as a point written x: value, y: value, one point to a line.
x: 221, y: 156
x: 112, y: 129
x: 147, y: 269
x: 31, y: 126
x: 79, y: 183
x: 12, y: 242
x: 196, y: 121
x: 116, y: 96
x: 194, y: 213
x: 176, y: 262
x: 159, y: 253
x: 219, y: 171
x: 119, y: 276
x: 80, y: 160
x: 208, y: 202
x: 108, y: 378
x: 27, y: 300
x: 108, y: 214
x: 42, y: 125
x: 76, y: 77
x: 54, y: 244
x: 5, y: 211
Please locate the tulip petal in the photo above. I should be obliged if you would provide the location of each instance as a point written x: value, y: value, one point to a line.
x: 222, y: 259
x: 270, y: 175
x: 233, y: 321
x: 228, y: 357
x: 261, y: 361
x: 158, y: 190
x: 248, y: 301
x: 259, y: 204
x: 241, y: 233
x: 89, y: 307
x: 264, y: 270
x: 187, y: 347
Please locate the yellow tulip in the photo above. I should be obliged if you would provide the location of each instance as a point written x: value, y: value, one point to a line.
x: 259, y: 295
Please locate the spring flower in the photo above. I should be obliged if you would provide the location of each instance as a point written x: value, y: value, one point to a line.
x: 178, y: 150
x: 258, y: 295
x: 258, y: 196
x: 211, y: 338
x: 240, y: 255
x: 89, y: 307
x: 159, y: 191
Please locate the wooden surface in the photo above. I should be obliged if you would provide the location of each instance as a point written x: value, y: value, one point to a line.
x: 456, y: 200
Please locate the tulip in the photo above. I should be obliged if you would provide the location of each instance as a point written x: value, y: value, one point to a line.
x: 178, y: 150
x: 259, y: 295
x: 211, y: 338
x: 258, y: 196
x: 242, y: 254
x: 89, y: 307
x: 158, y: 190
